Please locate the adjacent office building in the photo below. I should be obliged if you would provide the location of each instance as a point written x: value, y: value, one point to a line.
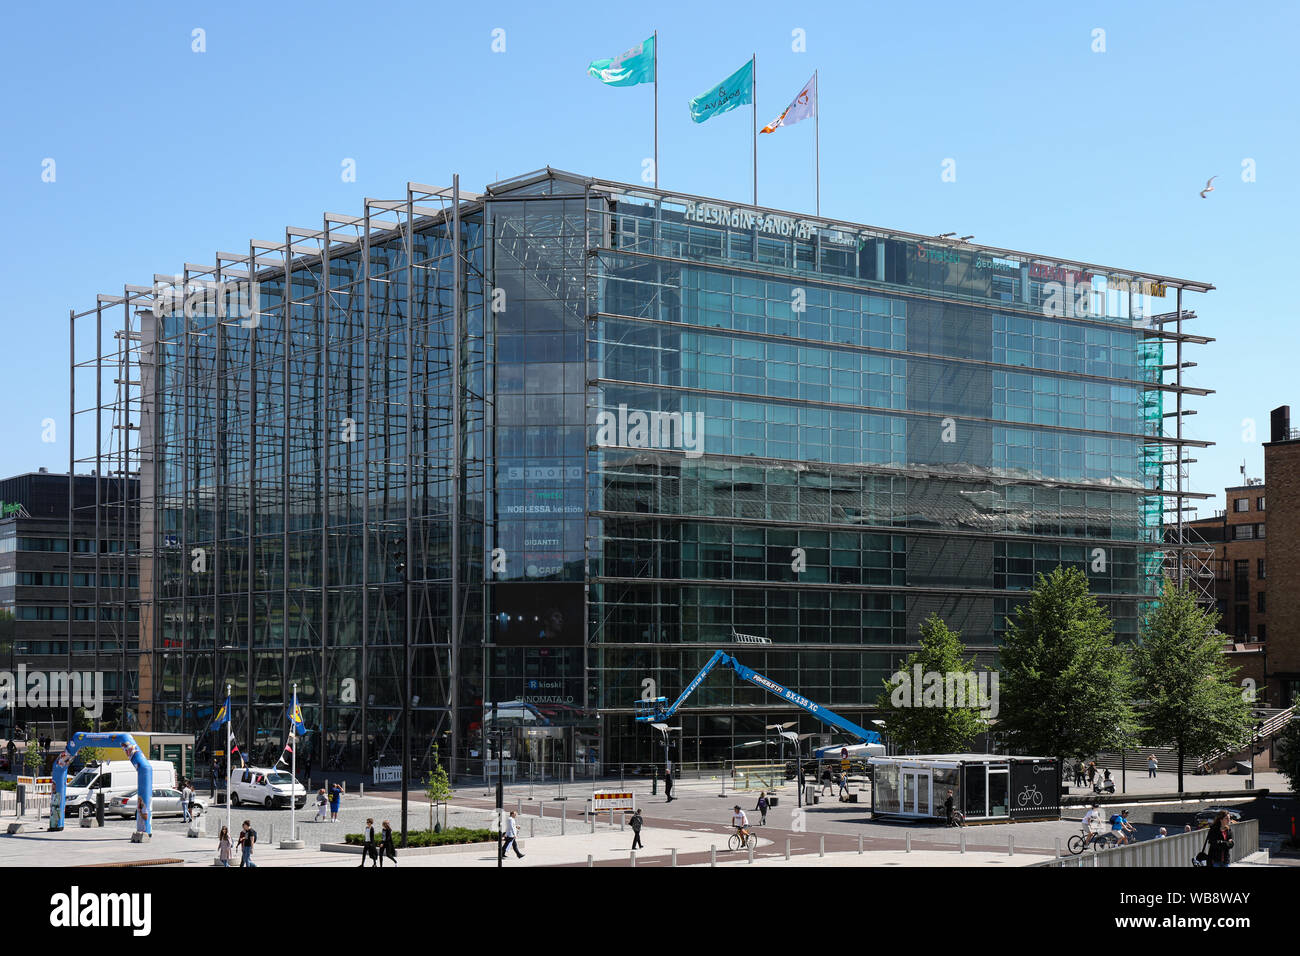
x: 70, y: 594
x: 551, y: 445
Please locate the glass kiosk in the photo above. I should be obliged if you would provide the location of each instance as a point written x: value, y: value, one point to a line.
x: 985, y: 787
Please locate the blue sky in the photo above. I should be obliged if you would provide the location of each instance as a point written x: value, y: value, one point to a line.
x: 164, y: 155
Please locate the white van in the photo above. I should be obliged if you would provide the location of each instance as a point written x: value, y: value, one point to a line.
x: 265, y: 786
x: 112, y: 778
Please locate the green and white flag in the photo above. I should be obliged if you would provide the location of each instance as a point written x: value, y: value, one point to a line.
x: 736, y: 90
x: 631, y: 68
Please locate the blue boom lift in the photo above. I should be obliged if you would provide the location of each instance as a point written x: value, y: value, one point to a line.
x: 659, y: 710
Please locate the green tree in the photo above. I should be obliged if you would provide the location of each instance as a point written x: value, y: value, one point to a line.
x: 1066, y: 686
x: 437, y: 787
x: 931, y: 729
x: 1191, y: 698
x: 1286, y: 754
x: 33, y: 759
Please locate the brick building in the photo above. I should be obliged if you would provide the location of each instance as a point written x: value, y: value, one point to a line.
x: 1282, y: 558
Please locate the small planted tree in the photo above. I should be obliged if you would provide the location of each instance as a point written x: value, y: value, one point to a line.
x: 33, y: 759
x: 437, y: 787
x: 1066, y: 683
x: 1286, y: 754
x: 1192, y: 700
x: 944, y: 723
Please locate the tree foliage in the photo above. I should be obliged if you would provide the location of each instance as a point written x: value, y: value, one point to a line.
x: 1066, y: 685
x: 932, y: 729
x: 1191, y: 699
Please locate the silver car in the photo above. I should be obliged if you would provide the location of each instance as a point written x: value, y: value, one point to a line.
x: 166, y: 803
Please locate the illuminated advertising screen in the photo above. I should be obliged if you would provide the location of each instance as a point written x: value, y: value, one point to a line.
x: 537, y: 615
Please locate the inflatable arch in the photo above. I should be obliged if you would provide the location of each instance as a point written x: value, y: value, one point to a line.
x: 144, y: 773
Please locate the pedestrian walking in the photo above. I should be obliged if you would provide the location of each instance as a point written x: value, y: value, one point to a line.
x: 511, y: 836
x: 1152, y: 766
x: 322, y: 806
x: 247, y: 840
x: 336, y: 800
x: 187, y: 800
x: 947, y: 808
x: 368, y: 851
x: 761, y: 807
x: 843, y: 780
x: 223, y: 847
x: 1218, y: 841
x: 1092, y: 772
x: 668, y: 784
x: 386, y: 848
x: 1078, y: 773
x: 636, y: 822
x: 216, y: 770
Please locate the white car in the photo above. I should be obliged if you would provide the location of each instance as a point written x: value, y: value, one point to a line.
x: 166, y: 802
x: 266, y: 786
x: 113, y: 779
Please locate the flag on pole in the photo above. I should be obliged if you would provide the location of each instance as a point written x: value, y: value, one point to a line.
x: 630, y: 68
x: 295, y: 715
x: 234, y: 752
x: 288, y: 749
x: 223, y: 715
x: 803, y: 106
x: 736, y: 90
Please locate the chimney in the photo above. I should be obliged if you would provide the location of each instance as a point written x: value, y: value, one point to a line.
x: 1280, y: 423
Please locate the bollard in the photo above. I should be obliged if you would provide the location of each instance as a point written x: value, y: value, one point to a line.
x: 519, y: 806
x: 563, y: 816
x: 859, y: 844
x: 589, y: 860
x: 1058, y: 848
x: 751, y: 851
x: 787, y: 851
x: 713, y: 854
x: 532, y: 830
x: 611, y: 817
x: 907, y: 842
x: 1011, y: 845
x: 674, y: 863
x: 821, y: 846
x: 271, y: 839
x: 963, y: 841
x: 633, y: 861
x: 592, y: 820
x: 362, y: 791
x: 541, y: 811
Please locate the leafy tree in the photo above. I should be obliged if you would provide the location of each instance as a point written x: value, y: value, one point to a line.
x: 1191, y: 698
x: 1286, y: 754
x: 1066, y: 685
x: 437, y: 787
x: 33, y: 759
x: 933, y: 729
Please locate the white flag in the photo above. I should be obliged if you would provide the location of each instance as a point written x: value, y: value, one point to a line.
x: 804, y: 106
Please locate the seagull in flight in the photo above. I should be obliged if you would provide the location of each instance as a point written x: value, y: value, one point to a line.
x: 1209, y: 186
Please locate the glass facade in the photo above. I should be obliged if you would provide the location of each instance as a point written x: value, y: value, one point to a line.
x: 629, y: 426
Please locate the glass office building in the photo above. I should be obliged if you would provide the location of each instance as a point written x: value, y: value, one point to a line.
x: 552, y: 445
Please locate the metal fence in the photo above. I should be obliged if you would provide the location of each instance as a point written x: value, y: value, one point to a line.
x: 1173, y: 851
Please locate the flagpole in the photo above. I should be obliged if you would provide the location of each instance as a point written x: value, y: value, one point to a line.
x: 817, y: 136
x: 656, y: 67
x: 293, y: 770
x: 230, y: 725
x: 753, y: 102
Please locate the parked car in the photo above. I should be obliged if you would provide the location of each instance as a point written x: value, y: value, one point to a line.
x: 266, y: 786
x: 1206, y: 817
x: 113, y: 778
x: 166, y: 803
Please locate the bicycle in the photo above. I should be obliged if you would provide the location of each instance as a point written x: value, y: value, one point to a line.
x: 958, y: 818
x: 1099, y: 841
x: 738, y: 842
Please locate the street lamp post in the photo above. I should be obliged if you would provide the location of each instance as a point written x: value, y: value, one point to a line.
x: 495, y: 736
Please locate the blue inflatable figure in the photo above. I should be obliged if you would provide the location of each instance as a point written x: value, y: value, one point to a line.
x: 144, y: 774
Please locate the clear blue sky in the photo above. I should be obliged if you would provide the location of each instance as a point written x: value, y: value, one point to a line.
x: 164, y: 155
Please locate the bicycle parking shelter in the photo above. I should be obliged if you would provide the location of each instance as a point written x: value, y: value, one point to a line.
x: 990, y: 788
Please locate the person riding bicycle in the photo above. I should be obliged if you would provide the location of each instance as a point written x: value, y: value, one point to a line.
x: 740, y: 822
x: 1121, y: 828
x: 1091, y: 820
